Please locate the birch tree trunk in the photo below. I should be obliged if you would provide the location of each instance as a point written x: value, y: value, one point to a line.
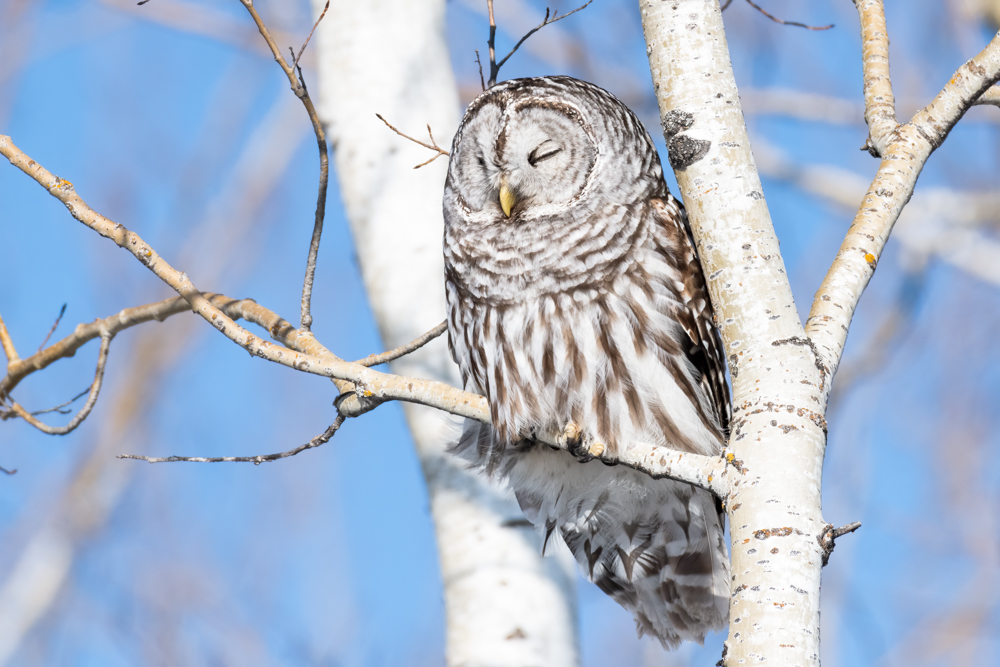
x: 504, y: 604
x: 778, y: 429
x: 781, y: 371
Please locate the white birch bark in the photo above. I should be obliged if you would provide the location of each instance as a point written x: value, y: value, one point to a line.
x: 778, y: 430
x: 504, y: 604
x: 781, y: 371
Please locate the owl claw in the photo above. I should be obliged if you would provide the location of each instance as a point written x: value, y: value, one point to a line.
x: 584, y: 449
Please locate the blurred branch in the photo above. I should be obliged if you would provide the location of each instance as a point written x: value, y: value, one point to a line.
x: 906, y: 148
x: 783, y: 22
x: 319, y: 440
x: 298, y: 84
x: 431, y: 146
x: 938, y: 221
x: 198, y: 19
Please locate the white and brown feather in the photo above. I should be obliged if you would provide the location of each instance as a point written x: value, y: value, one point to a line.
x: 591, y: 308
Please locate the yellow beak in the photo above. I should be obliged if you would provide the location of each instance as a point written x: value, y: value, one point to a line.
x: 507, y: 199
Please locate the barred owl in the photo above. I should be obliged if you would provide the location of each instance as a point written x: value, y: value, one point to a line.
x: 575, y: 294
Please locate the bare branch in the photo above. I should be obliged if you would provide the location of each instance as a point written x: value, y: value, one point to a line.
x: 8, y: 472
x: 306, y: 43
x: 95, y: 390
x: 431, y: 146
x: 319, y: 440
x: 494, y: 65
x: 84, y: 333
x: 880, y: 104
x: 830, y: 534
x: 298, y: 85
x: 991, y: 97
x: 392, y: 355
x: 8, y: 345
x: 726, y: 4
x: 302, y: 352
x: 62, y: 311
x: 906, y: 151
x: 482, y: 81
x: 782, y: 22
x: 59, y: 408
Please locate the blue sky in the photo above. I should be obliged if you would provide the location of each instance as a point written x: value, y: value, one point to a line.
x: 329, y: 558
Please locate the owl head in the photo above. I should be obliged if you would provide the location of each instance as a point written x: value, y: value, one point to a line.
x: 543, y: 170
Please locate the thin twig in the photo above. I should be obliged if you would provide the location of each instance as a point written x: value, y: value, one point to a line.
x: 844, y: 530
x: 482, y: 81
x: 59, y: 408
x: 298, y: 85
x: 62, y: 311
x: 319, y: 440
x: 431, y: 146
x: 491, y: 43
x: 725, y: 6
x: 95, y: 390
x: 9, y: 472
x: 494, y: 65
x: 402, y: 350
x: 777, y: 20
x: 306, y: 43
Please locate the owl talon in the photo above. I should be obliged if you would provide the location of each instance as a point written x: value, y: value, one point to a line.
x: 571, y: 436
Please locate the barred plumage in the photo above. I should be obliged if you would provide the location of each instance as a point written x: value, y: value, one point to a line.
x: 575, y: 294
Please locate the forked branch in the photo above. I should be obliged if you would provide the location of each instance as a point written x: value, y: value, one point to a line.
x: 905, y: 150
x: 431, y: 146
x: 491, y: 42
x: 319, y: 440
x: 13, y: 408
x: 782, y: 21
x: 294, y: 73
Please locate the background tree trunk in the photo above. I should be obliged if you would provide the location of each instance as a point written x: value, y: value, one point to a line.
x: 505, y: 604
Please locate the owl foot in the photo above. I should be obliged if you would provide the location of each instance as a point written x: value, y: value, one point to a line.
x: 571, y: 438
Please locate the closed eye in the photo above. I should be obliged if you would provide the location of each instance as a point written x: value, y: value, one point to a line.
x: 542, y: 152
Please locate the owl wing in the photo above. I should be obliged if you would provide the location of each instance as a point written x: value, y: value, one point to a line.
x: 694, y: 313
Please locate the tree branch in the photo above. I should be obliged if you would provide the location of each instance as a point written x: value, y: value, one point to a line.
x: 95, y: 390
x: 392, y: 355
x: 880, y: 104
x: 431, y: 146
x: 298, y: 85
x: 783, y: 22
x: 319, y: 440
x: 303, y: 352
x: 494, y: 65
x: 55, y: 325
x: 906, y: 149
x: 991, y: 97
x: 114, y: 324
x: 8, y: 345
